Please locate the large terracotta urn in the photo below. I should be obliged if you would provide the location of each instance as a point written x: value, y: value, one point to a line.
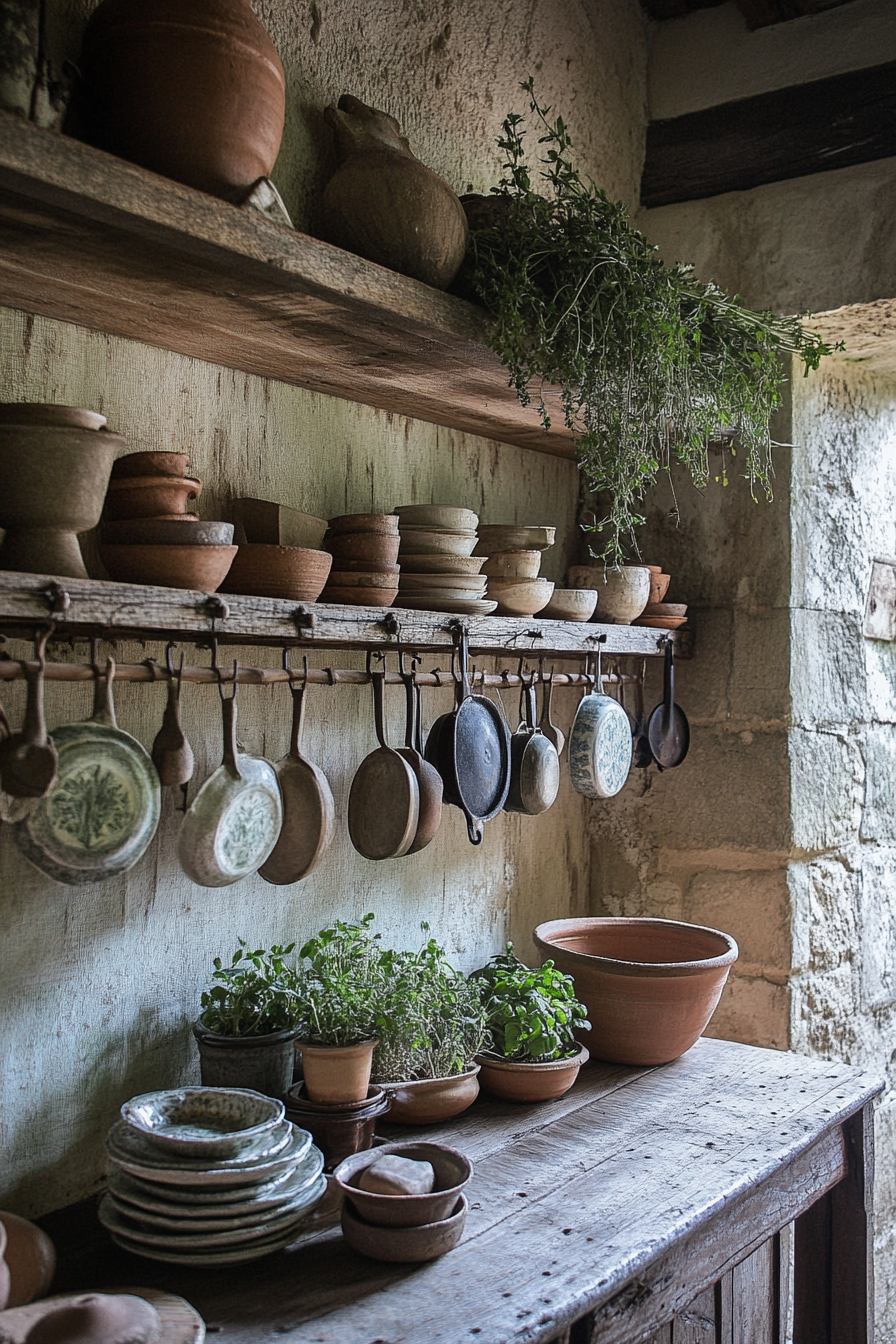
x: 384, y: 204
x: 194, y: 91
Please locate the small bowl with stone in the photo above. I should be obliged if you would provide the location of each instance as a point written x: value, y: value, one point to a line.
x: 195, y: 1122
x: 404, y: 1184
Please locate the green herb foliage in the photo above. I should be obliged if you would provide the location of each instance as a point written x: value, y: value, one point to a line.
x: 254, y: 995
x: 652, y: 364
x: 342, y: 985
x: 531, y: 1015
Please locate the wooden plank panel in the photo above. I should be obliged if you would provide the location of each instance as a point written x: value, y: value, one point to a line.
x: 754, y: 1293
x: 88, y: 238
x: 697, y: 1323
x: 810, y: 128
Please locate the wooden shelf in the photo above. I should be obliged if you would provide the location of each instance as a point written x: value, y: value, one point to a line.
x: 92, y: 239
x: 120, y: 610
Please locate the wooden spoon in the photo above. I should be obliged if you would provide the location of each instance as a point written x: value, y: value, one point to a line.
x: 384, y: 802
x: 28, y: 759
x: 429, y: 781
x: 172, y: 754
x: 309, y: 811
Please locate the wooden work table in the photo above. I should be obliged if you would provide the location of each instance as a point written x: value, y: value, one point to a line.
x: 646, y: 1205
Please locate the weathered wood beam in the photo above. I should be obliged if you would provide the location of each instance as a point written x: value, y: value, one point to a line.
x: 758, y: 13
x: 810, y: 128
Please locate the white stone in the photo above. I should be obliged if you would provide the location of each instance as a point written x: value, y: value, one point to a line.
x: 395, y: 1175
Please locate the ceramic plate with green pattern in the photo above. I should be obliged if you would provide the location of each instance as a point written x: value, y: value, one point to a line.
x: 103, y: 810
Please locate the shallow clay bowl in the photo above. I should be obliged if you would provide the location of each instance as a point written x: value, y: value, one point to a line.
x: 184, y: 530
x: 452, y: 1172
x: 293, y: 572
x: 45, y: 413
x: 405, y: 1245
x: 422, y: 541
x: 437, y: 516
x: 149, y: 496
x: 570, y: 604
x: 457, y: 583
x: 386, y: 524
x: 374, y: 546
x: 361, y: 579
x: 520, y: 597
x: 661, y: 622
x: 441, y: 564
x: 507, y: 537
x: 665, y: 609
x: 366, y: 566
x: 150, y: 464
x: 202, y: 567
x: 513, y: 565
x: 359, y: 597
x: 650, y: 985
x: 217, y: 1122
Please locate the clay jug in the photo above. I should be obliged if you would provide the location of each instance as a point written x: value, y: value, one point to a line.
x: 194, y: 91
x: 387, y: 206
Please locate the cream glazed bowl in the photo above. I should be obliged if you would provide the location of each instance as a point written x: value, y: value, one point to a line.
x: 622, y: 593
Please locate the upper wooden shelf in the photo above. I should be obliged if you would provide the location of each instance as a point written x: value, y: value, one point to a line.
x: 89, y: 238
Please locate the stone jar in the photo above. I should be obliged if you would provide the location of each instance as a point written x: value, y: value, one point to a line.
x: 193, y: 91
x: 384, y: 204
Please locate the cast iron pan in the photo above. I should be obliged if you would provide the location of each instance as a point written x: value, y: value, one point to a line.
x: 668, y: 730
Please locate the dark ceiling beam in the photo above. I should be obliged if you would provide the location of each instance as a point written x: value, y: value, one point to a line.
x: 758, y: 13
x: 810, y: 128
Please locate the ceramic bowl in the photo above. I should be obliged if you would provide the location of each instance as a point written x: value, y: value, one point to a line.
x: 185, y: 530
x: 513, y: 565
x: 520, y: 597
x: 150, y: 464
x: 622, y: 593
x: 405, y: 1245
x: 436, y: 516
x: 292, y: 572
x: 650, y: 985
x: 519, y: 1080
x: 421, y: 541
x: 228, y: 1206
x: 455, y: 583
x: 453, y: 1171
x: 600, y: 747
x: 361, y: 579
x: 129, y: 1152
x: 571, y: 604
x: 203, y: 1121
x: 345, y: 566
x: 674, y: 609
x: 441, y: 564
x: 149, y: 496
x: 201, y: 567
x: 360, y: 597
x: 384, y: 523
x: 376, y: 546
x: 47, y: 413
x: 506, y: 537
x: 459, y: 606
x: 428, y: 1101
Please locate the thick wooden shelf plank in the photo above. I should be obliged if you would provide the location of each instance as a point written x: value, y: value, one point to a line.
x: 117, y: 610
x: 92, y: 239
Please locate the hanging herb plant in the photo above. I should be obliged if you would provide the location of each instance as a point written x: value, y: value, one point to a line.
x: 651, y: 363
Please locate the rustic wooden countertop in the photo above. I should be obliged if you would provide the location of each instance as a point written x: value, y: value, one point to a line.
x: 620, y: 1203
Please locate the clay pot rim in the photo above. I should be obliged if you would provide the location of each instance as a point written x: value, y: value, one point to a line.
x: 616, y: 966
x: 576, y: 1060
x: 209, y: 1037
x: 117, y: 483
x: 466, y: 1072
x: 358, y: 1162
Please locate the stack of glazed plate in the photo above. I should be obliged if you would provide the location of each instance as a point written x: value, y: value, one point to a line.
x: 209, y: 1176
x: 438, y: 570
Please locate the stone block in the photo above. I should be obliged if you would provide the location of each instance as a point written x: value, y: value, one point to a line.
x: 753, y: 907
x: 752, y: 1011
x: 824, y: 1017
x: 827, y: 776
x: 759, y: 678
x: 824, y: 901
x: 828, y: 684
x: 877, y: 929
x: 878, y: 820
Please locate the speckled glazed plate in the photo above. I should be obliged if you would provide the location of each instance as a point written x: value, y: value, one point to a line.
x: 600, y: 747
x: 127, y: 1156
x: 200, y: 1201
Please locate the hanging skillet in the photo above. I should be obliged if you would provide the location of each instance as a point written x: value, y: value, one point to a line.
x: 668, y: 730
x: 534, y: 762
x: 600, y: 744
x: 384, y: 802
x: 470, y: 748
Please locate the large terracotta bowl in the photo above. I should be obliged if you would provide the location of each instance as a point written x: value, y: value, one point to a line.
x: 650, y: 985
x: 294, y: 572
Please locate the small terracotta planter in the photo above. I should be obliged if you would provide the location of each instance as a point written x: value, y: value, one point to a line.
x: 428, y: 1101
x: 149, y: 496
x: 519, y: 1080
x: 337, y: 1074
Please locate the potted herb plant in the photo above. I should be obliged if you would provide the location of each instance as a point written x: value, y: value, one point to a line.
x: 341, y: 986
x: 532, y: 1016
x: 249, y: 1022
x: 430, y: 1029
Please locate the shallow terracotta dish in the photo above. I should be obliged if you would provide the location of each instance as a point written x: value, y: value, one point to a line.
x: 650, y: 985
x: 201, y: 567
x: 437, y: 516
x: 384, y: 523
x: 661, y: 622
x: 571, y: 604
x: 360, y: 597
x: 150, y: 464
x: 509, y: 537
x: 405, y: 1245
x: 665, y: 609
x: 184, y: 530
x: 513, y: 565
x: 440, y: 564
x: 203, y: 1121
x: 427, y: 1101
x: 517, y: 1080
x: 452, y: 1173
x: 149, y: 496
x: 434, y: 583
x: 520, y: 597
x: 363, y: 546
x: 421, y: 541
x: 345, y: 566
x: 292, y: 572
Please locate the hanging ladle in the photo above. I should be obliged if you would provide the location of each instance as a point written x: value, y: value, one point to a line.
x: 668, y: 730
x: 172, y: 754
x: 28, y: 759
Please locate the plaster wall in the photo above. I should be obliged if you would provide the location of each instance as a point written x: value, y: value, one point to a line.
x: 98, y: 984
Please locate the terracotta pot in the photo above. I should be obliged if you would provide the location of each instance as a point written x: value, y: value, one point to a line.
x: 452, y: 1170
x: 52, y: 483
x: 149, y: 497
x: 384, y: 523
x: 650, y: 985
x: 184, y: 530
x: 621, y: 593
x: 359, y: 597
x: 30, y: 1258
x: 513, y: 565
x: 363, y: 546
x: 338, y: 1132
x: 292, y: 572
x: 48, y: 413
x: 337, y: 1074
x: 199, y: 567
x: 384, y: 204
x: 518, y: 1080
x: 362, y: 579
x: 263, y: 1063
x: 428, y: 1101
x: 195, y: 92
x: 150, y: 464
x: 659, y: 583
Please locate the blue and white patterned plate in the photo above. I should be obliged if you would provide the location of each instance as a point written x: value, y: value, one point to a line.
x: 600, y: 747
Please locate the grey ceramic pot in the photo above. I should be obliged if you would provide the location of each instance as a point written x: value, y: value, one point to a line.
x: 263, y: 1063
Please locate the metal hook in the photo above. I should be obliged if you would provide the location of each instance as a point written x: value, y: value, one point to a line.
x: 221, y: 680
x: 94, y: 658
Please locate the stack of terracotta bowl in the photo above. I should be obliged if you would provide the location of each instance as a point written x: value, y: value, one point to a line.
x: 279, y: 552
x: 338, y: 1128
x: 404, y: 1202
x: 438, y: 571
x: 364, y: 547
x: 148, y: 536
x: 514, y: 559
x: 209, y: 1176
x: 658, y: 614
